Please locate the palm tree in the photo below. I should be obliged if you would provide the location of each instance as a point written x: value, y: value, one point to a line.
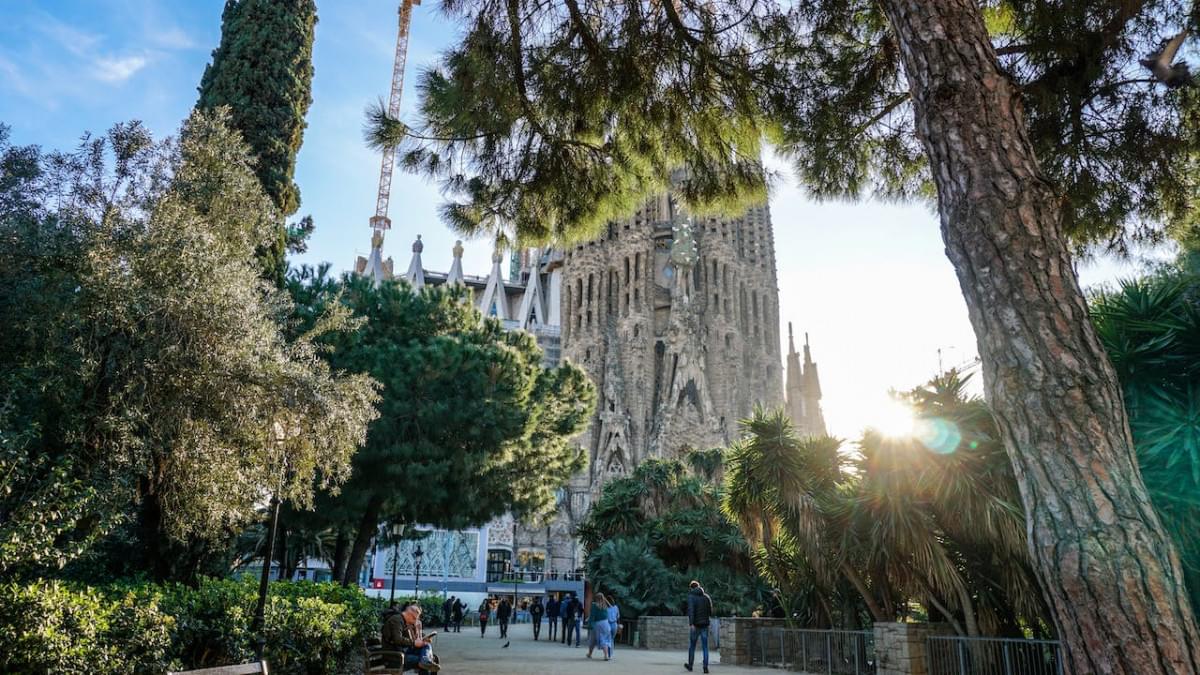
x: 790, y: 496
x: 1151, y: 330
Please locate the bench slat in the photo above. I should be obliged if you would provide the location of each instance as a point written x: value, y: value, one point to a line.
x: 259, y: 668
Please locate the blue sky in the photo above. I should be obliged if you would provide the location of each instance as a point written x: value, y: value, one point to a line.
x: 869, y: 282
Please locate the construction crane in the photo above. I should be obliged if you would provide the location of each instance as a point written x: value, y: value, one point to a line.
x: 380, y: 221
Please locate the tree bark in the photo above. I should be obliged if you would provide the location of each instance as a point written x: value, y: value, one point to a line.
x: 1109, y: 573
x: 341, y: 555
x: 873, y: 607
x: 367, y: 527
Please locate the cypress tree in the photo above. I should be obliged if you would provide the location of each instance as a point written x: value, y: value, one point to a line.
x: 263, y: 71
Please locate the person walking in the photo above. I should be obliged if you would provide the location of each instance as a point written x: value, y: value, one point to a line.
x: 614, y: 624
x: 578, y: 618
x: 601, y: 631
x: 456, y: 615
x: 552, y: 616
x: 484, y: 611
x: 536, y: 610
x: 503, y: 613
x: 571, y: 612
x: 699, y: 612
x: 447, y: 609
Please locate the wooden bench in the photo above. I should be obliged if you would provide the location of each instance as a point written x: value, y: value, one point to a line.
x: 258, y: 668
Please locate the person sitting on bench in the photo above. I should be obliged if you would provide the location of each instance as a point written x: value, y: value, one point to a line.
x: 403, y: 633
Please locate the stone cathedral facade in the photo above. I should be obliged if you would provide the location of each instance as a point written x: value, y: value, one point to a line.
x: 676, y: 320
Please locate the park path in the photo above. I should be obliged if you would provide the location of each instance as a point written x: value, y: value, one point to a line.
x: 466, y: 653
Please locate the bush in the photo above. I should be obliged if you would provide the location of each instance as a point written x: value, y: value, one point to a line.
x: 136, y: 628
x: 52, y: 627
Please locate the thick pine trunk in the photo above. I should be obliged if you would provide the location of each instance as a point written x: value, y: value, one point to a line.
x: 1109, y: 573
x: 341, y: 555
x: 367, y: 527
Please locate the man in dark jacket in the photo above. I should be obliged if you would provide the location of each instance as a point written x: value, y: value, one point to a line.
x: 536, y: 610
x: 552, y: 615
x: 699, y: 612
x: 570, y: 609
x: 503, y: 612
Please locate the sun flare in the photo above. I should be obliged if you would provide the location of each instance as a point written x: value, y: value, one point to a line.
x: 893, y: 418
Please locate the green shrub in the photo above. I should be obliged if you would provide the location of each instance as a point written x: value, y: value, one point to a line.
x: 136, y: 628
x: 50, y: 626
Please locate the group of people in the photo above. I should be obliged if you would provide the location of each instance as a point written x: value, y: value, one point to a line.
x: 402, y: 630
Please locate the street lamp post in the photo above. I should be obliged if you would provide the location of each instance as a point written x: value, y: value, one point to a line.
x: 397, y: 532
x: 257, y: 626
x: 417, y: 554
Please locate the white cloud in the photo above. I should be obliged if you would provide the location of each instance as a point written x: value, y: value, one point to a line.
x: 109, y: 69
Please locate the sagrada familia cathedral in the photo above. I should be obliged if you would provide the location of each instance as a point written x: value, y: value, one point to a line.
x: 675, y: 318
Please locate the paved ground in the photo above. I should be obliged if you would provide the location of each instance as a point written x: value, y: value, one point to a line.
x: 468, y: 653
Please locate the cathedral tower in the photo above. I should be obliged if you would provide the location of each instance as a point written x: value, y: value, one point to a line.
x: 676, y: 319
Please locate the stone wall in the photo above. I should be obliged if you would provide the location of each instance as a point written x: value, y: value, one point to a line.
x: 900, y: 647
x: 737, y: 638
x: 663, y: 632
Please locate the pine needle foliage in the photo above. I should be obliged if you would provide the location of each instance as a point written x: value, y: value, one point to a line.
x: 548, y: 119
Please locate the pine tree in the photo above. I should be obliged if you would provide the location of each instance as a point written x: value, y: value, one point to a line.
x: 263, y: 71
x: 471, y: 425
x: 553, y: 117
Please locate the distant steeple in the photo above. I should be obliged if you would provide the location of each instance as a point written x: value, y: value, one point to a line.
x: 455, y: 276
x: 494, y: 302
x: 803, y: 390
x: 374, y: 266
x: 532, y: 304
x: 416, y: 271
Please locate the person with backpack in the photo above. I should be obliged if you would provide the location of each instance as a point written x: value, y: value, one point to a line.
x: 699, y: 612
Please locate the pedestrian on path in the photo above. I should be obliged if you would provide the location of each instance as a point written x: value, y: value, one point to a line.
x: 484, y: 611
x: 598, y: 621
x: 536, y: 610
x: 614, y: 623
x: 447, y: 611
x: 552, y: 615
x: 572, y: 619
x: 503, y: 612
x: 699, y: 612
x: 457, y: 616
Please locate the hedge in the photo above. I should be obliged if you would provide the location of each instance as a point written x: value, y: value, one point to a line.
x: 136, y: 628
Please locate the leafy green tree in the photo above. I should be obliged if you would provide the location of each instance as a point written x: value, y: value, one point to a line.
x: 677, y: 512
x: 471, y: 425
x: 263, y: 71
x: 1027, y: 120
x: 143, y: 367
x: 1151, y: 329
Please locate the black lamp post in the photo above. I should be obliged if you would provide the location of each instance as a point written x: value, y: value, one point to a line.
x: 256, y: 627
x: 259, y: 622
x: 397, y: 532
x: 417, y: 585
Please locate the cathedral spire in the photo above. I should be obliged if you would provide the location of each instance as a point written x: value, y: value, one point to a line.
x: 455, y: 276
x: 803, y: 390
x: 416, y: 269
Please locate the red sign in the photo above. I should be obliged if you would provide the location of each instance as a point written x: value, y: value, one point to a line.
x: 376, y: 583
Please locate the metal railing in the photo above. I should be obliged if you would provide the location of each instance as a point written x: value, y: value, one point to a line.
x: 952, y: 655
x: 834, y: 652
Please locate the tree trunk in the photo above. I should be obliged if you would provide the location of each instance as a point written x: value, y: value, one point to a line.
x: 341, y: 555
x: 877, y: 612
x: 1110, y: 574
x: 367, y: 527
